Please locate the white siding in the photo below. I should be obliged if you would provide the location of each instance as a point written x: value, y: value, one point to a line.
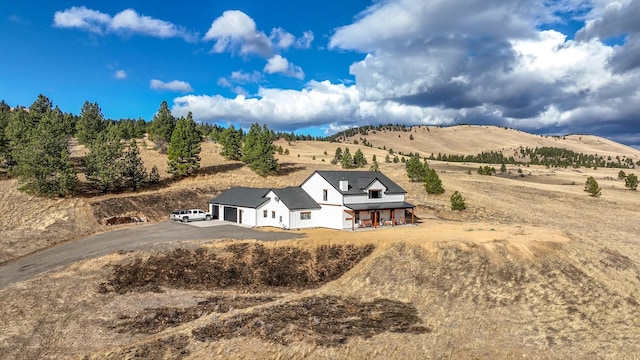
x: 333, y: 217
x: 248, y: 216
x: 297, y: 223
x: 315, y: 185
x: 364, y: 199
x: 272, y: 206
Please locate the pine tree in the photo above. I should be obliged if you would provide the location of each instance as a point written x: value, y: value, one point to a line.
x: 415, y: 169
x: 231, y: 143
x: 133, y: 173
x: 621, y: 175
x: 457, y: 201
x: 347, y: 160
x: 162, y: 126
x: 358, y: 159
x: 258, y: 151
x: 338, y: 155
x: 42, y: 159
x: 104, y: 161
x: 631, y: 181
x: 251, y: 149
x: 374, y: 166
x: 40, y: 106
x: 154, y: 175
x: 592, y: 187
x: 432, y: 183
x: 184, y: 150
x: 90, y: 124
x: 5, y: 114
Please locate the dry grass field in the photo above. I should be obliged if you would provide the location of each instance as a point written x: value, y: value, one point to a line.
x: 533, y: 268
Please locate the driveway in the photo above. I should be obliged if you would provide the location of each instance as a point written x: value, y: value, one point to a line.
x: 129, y: 238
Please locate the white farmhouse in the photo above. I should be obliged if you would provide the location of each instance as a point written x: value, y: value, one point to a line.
x: 330, y: 199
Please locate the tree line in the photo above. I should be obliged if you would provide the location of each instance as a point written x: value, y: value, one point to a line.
x: 547, y: 156
x: 36, y: 144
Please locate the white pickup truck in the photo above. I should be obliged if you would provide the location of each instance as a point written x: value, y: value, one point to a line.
x: 190, y: 215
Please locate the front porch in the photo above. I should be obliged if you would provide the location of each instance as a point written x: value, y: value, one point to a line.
x: 362, y: 216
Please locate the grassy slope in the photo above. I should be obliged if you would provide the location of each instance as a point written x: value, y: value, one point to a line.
x: 535, y: 268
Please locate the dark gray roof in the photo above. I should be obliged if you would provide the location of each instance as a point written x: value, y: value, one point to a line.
x: 241, y: 196
x: 380, y: 206
x: 359, y: 180
x: 295, y: 198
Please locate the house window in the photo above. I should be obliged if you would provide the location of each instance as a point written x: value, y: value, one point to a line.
x: 325, y: 195
x: 264, y: 213
x: 375, y: 194
x: 273, y: 214
x: 305, y: 216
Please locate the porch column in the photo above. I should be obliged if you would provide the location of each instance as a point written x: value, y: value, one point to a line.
x: 413, y: 216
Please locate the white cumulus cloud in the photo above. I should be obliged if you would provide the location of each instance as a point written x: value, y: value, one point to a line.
x: 236, y: 32
x: 175, y: 85
x: 278, y: 64
x: 127, y: 21
x: 121, y: 74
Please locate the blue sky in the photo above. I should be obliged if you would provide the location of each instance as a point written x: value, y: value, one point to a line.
x: 549, y: 67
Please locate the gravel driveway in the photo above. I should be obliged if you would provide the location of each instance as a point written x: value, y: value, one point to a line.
x: 134, y: 237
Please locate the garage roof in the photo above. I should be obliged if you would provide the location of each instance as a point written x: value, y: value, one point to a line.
x: 241, y: 197
x: 296, y: 199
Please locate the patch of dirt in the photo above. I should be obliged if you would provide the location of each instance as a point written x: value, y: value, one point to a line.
x: 151, y: 321
x: 616, y: 260
x: 323, y: 320
x: 154, y: 206
x: 172, y: 347
x: 252, y: 267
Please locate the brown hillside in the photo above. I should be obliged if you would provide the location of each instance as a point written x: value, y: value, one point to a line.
x: 471, y: 140
x: 533, y: 268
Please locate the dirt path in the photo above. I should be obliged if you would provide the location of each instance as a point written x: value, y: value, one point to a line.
x: 147, y: 235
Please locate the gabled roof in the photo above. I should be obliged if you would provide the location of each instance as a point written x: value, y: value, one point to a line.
x: 242, y: 197
x: 295, y: 198
x: 358, y: 181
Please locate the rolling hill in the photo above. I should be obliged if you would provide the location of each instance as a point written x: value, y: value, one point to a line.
x: 533, y: 268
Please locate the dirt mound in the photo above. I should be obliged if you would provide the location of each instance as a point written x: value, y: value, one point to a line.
x: 153, y: 206
x: 323, y: 320
x: 246, y: 266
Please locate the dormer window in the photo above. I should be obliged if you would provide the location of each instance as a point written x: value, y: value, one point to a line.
x: 375, y: 194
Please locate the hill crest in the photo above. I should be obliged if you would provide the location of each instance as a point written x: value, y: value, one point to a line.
x: 474, y: 139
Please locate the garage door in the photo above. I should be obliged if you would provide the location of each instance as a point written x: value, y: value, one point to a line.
x: 230, y: 214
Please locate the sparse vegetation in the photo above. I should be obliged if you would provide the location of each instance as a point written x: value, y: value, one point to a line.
x: 592, y: 187
x: 457, y: 201
x: 631, y: 182
x: 621, y: 175
x: 457, y: 280
x: 486, y: 170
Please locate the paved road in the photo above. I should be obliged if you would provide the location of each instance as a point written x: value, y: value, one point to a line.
x: 129, y: 238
